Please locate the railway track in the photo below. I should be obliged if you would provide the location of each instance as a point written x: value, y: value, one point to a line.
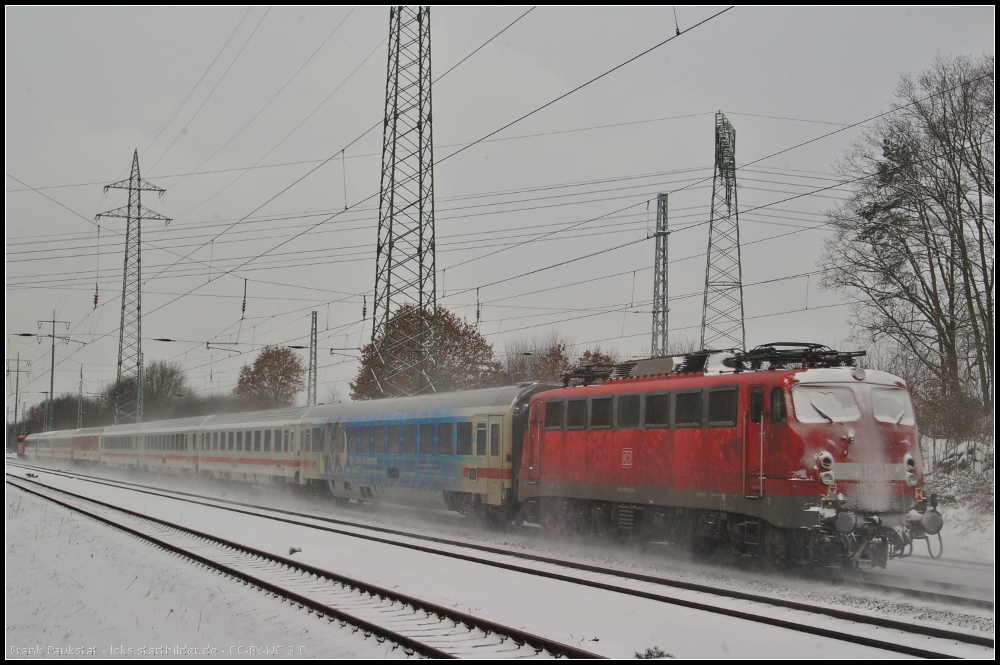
x: 904, y: 634
x: 415, y: 625
x: 952, y: 594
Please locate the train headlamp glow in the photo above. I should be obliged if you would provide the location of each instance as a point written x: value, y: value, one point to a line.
x: 825, y: 460
x: 827, y: 477
x: 911, y: 464
x: 911, y: 479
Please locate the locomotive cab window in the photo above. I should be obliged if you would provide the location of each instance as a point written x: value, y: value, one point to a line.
x: 628, y: 411
x: 576, y: 413
x: 600, y: 412
x: 723, y: 403
x: 554, y: 414
x: 778, y: 409
x: 756, y: 405
x: 687, y: 409
x: 658, y: 410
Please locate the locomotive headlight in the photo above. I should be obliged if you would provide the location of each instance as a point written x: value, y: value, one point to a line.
x: 911, y: 479
x: 827, y: 477
x: 911, y: 464
x: 825, y: 460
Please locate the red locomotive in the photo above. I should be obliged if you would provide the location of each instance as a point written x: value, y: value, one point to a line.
x: 786, y: 452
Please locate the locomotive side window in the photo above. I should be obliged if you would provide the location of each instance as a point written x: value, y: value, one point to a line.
x: 352, y: 439
x: 378, y: 439
x: 446, y: 443
x: 600, y: 412
x: 628, y: 411
x: 756, y: 405
x: 778, y: 409
x: 464, y: 430
x: 480, y: 438
x: 658, y: 410
x: 427, y: 439
x: 576, y: 414
x: 687, y: 409
x: 409, y: 439
x: 723, y: 404
x: 554, y: 414
x: 494, y: 439
x: 394, y: 431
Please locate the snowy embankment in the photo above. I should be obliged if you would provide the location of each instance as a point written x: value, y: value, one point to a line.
x: 74, y: 587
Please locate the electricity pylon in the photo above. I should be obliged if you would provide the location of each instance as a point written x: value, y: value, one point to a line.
x: 311, y: 387
x: 722, y: 311
x: 128, y: 399
x: 660, y: 305
x: 404, y: 313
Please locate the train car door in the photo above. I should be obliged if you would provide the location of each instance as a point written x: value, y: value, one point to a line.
x: 495, y: 461
x: 755, y: 431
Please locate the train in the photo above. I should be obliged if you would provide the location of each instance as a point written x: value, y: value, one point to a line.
x: 789, y: 453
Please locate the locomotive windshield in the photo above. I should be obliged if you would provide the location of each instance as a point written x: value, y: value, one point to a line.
x: 892, y: 405
x: 819, y: 404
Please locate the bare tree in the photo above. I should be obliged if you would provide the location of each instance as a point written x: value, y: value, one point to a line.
x: 913, y: 245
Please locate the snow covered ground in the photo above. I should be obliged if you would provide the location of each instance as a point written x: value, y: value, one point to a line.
x: 603, y: 622
x: 77, y: 588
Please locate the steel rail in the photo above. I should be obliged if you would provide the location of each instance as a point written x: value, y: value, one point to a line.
x: 488, y: 627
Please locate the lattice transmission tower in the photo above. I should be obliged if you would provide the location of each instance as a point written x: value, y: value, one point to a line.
x: 660, y: 306
x: 722, y: 311
x: 129, y: 379
x: 311, y: 382
x: 404, y: 313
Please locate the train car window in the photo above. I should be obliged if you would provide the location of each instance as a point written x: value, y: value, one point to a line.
x: 340, y: 438
x: 232, y: 440
x: 246, y: 441
x: 687, y: 409
x: 365, y: 439
x: 723, y: 403
x: 446, y: 442
x: 427, y: 439
x: 494, y: 439
x: 378, y: 439
x: 480, y: 438
x: 317, y: 439
x: 554, y: 414
x: 277, y: 440
x: 394, y: 432
x: 658, y: 410
x: 409, y: 439
x: 286, y: 438
x: 215, y: 441
x: 779, y: 411
x: 256, y: 441
x: 464, y: 430
x: 756, y: 405
x: 600, y: 412
x: 239, y: 441
x: 576, y: 413
x: 352, y: 439
x: 267, y: 440
x: 628, y: 411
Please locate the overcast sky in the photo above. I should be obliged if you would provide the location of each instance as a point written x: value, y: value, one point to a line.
x: 232, y: 110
